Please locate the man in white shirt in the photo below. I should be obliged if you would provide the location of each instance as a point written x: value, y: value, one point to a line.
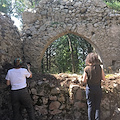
x: 16, y: 77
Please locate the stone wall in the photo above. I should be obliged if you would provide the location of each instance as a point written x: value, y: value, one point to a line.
x: 90, y: 19
x: 10, y: 41
x: 62, y: 97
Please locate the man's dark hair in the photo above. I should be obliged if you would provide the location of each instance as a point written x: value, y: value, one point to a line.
x: 18, y: 63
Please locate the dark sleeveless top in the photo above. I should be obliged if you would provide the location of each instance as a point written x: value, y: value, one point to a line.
x: 94, y: 74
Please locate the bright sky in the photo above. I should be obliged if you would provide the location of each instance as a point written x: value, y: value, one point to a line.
x: 17, y: 22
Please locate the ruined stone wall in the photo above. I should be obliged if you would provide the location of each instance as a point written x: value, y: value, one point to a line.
x: 62, y: 97
x: 51, y: 19
x: 10, y: 41
x: 90, y: 19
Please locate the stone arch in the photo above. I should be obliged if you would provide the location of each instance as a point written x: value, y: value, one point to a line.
x: 90, y: 19
x: 62, y: 34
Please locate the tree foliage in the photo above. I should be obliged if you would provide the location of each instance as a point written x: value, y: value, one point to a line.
x: 57, y: 57
x: 112, y: 1
x: 114, y: 4
x: 16, y: 7
x: 5, y: 6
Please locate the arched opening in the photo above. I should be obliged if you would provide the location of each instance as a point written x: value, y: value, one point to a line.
x: 67, y: 54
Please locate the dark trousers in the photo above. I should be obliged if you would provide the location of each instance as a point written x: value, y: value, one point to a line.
x: 21, y: 97
x: 93, y: 96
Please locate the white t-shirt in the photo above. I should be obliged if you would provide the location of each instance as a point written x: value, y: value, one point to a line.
x: 17, y: 78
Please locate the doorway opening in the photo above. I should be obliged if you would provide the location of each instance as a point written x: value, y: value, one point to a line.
x: 66, y: 55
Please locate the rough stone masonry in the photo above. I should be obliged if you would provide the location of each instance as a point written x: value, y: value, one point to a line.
x: 90, y: 19
x: 51, y: 19
x: 10, y: 42
x: 62, y: 97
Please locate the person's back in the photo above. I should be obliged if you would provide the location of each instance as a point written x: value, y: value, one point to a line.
x: 94, y: 74
x: 16, y: 77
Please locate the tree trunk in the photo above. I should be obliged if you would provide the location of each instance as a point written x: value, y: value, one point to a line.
x: 49, y: 55
x: 47, y: 59
x: 71, y: 50
x: 76, y: 59
x: 42, y: 65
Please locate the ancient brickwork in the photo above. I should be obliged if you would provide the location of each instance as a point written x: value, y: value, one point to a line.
x: 62, y: 97
x: 90, y: 19
x: 10, y: 43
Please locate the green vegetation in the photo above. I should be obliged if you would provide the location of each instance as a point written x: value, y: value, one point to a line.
x: 16, y: 7
x: 114, y: 4
x: 5, y: 6
x: 108, y: 75
x: 66, y: 54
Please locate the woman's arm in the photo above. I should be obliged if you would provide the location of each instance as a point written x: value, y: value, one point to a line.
x: 84, y: 77
x: 103, y: 75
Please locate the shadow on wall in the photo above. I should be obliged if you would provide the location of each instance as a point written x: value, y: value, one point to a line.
x: 3, y: 71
